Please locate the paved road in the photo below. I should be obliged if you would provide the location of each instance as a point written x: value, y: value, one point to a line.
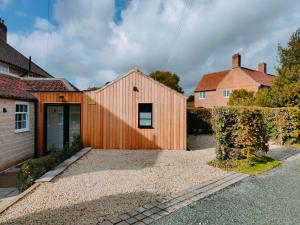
x: 269, y: 199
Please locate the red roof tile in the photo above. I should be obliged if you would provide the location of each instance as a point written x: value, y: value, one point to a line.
x: 47, y: 85
x: 13, y: 87
x: 20, y: 88
x: 210, y: 81
x: 259, y: 77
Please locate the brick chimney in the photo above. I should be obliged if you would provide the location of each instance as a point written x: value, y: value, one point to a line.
x: 3, y: 31
x: 262, y: 67
x: 236, y: 60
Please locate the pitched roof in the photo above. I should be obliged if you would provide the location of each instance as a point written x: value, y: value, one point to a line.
x: 259, y: 77
x: 139, y: 73
x: 37, y: 84
x: 14, y: 87
x: 210, y: 81
x: 20, y: 88
x: 11, y: 56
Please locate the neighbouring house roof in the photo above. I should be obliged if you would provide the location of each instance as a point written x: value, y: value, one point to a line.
x: 259, y: 77
x: 37, y: 84
x: 12, y: 57
x: 211, y: 81
x: 14, y: 87
x: 20, y: 88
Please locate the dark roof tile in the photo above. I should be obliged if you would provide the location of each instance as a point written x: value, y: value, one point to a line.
x: 11, y: 56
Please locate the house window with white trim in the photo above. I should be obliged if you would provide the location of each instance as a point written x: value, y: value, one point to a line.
x: 4, y: 69
x: 202, y: 95
x: 22, y: 117
x: 226, y: 93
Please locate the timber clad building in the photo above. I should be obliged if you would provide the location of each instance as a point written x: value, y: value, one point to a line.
x: 214, y: 88
x: 39, y: 113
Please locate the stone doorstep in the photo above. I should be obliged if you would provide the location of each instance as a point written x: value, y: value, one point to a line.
x: 148, y: 213
x: 50, y: 175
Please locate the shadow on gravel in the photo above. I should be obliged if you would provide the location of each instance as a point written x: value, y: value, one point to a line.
x: 90, y: 212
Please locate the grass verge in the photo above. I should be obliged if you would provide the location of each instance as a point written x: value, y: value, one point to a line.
x: 260, y: 164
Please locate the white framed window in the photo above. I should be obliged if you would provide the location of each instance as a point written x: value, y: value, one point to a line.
x: 22, y: 117
x: 226, y: 93
x: 202, y: 95
x: 4, y: 69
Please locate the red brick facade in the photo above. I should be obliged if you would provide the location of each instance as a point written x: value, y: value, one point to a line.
x: 210, y: 90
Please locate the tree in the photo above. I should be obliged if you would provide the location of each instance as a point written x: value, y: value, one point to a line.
x: 290, y: 55
x: 241, y: 97
x: 285, y: 87
x: 167, y: 78
x: 191, y: 98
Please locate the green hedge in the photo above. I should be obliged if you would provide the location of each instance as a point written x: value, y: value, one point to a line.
x: 239, y: 132
x: 35, y: 168
x: 242, y: 131
x: 199, y: 121
x: 283, y: 124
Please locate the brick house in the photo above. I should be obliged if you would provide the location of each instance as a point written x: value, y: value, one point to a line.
x: 19, y: 79
x: 214, y: 88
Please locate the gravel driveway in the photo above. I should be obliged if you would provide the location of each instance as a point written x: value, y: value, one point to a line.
x: 110, y: 182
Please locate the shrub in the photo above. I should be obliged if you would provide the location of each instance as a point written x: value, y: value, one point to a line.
x: 35, y: 168
x: 239, y: 132
x: 199, y: 121
x: 241, y: 97
x: 242, y: 131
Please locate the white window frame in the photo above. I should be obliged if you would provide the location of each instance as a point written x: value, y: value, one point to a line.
x: 4, y: 67
x: 27, y: 117
x: 204, y: 95
x: 226, y: 93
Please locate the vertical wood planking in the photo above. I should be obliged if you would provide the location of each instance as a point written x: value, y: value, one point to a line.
x: 109, y: 117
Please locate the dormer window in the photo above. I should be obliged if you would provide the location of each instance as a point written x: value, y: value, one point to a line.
x: 202, y: 95
x: 226, y: 93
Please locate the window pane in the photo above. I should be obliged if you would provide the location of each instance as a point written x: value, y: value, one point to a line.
x: 145, y: 115
x: 145, y: 122
x: 25, y: 108
x: 23, y: 124
x: 17, y: 108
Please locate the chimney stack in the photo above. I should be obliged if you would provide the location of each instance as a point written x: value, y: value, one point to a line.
x: 3, y: 31
x: 262, y: 67
x: 236, y: 60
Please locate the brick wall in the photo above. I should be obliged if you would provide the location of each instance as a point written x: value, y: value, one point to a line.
x: 14, y: 147
x: 235, y: 79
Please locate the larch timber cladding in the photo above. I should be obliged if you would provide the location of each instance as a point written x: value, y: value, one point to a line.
x: 110, y: 118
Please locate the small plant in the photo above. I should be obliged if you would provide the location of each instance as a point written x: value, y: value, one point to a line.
x: 35, y: 168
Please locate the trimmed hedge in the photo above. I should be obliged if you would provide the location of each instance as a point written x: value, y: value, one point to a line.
x: 239, y: 132
x: 199, y: 121
x: 283, y: 124
x: 242, y: 131
x: 35, y: 168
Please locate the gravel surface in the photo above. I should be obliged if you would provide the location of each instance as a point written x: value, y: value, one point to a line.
x: 268, y: 199
x: 111, y: 182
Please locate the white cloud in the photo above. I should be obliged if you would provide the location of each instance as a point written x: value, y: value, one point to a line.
x: 43, y: 25
x: 4, y: 4
x: 88, y: 48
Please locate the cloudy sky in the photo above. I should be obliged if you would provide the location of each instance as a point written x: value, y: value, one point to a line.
x: 91, y: 42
